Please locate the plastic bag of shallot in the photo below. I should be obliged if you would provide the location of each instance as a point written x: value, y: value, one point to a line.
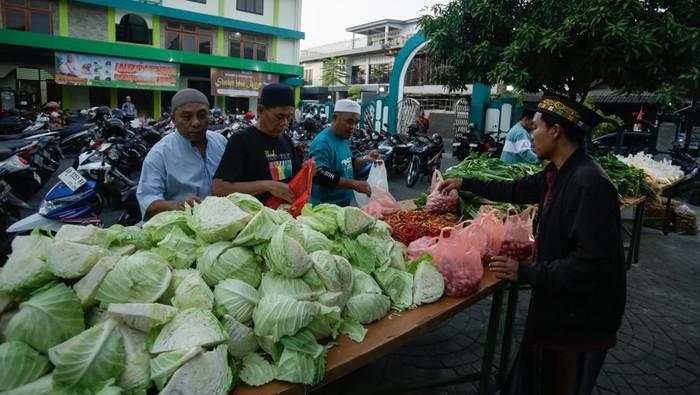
x: 518, y: 240
x: 438, y: 202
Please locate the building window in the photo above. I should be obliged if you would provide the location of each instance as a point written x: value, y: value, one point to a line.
x: 27, y: 15
x: 133, y: 29
x: 309, y: 76
x: 379, y: 73
x: 187, y: 37
x: 359, y: 75
x: 249, y: 46
x: 252, y: 6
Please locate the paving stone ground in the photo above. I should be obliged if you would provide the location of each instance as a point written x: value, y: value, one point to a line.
x: 658, y: 350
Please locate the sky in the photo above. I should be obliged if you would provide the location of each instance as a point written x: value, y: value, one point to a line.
x: 325, y: 21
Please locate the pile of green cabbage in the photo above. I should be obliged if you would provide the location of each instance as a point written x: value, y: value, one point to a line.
x: 197, y: 299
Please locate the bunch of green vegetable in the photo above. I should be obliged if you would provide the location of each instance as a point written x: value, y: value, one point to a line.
x: 483, y: 167
x: 195, y: 298
x: 629, y: 181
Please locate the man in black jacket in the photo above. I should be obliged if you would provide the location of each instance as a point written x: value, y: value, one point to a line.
x: 578, y: 276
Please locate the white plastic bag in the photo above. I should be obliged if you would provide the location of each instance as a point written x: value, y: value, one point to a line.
x: 377, y: 181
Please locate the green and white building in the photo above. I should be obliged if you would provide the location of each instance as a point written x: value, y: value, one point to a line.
x: 95, y: 52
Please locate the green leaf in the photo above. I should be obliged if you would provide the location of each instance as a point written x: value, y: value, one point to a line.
x: 257, y: 370
x: 90, y: 358
x: 237, y: 298
x: 297, y: 367
x: 142, y: 316
x: 190, y: 328
x: 72, y: 260
x: 52, y: 315
x: 164, y: 365
x: 241, y: 339
x: 398, y: 285
x: 220, y: 261
x: 303, y: 342
x: 275, y: 284
x: 139, y: 278
x: 354, y: 330
x: 178, y: 249
x: 207, y: 373
x: 137, y: 368
x: 193, y: 292
x: 19, y: 365
x: 217, y: 219
x: 278, y: 316
x: 286, y: 256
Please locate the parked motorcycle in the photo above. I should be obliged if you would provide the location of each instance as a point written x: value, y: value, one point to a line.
x: 426, y: 156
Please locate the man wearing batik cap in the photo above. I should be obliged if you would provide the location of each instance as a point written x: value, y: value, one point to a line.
x: 180, y: 167
x: 578, y: 275
x: 260, y: 160
x: 334, y: 182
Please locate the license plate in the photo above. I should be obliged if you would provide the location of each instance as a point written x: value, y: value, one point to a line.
x: 456, y: 144
x: 72, y: 179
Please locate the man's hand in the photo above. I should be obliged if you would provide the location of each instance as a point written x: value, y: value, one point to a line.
x: 505, y: 268
x: 374, y: 156
x: 450, y: 185
x: 362, y: 187
x: 189, y: 200
x: 281, y: 190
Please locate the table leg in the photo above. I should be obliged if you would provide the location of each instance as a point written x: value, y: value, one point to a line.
x: 511, y: 309
x: 491, y: 340
x: 639, y: 220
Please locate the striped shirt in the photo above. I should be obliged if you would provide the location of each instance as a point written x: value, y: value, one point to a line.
x: 518, y: 146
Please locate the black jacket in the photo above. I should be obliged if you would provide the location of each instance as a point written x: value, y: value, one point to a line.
x: 579, y: 279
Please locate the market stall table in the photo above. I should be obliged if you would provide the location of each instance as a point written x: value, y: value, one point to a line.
x: 390, y: 333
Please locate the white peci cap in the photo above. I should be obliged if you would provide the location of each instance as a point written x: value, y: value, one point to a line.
x: 347, y: 105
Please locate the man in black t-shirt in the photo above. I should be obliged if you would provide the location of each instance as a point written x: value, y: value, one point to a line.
x: 260, y: 160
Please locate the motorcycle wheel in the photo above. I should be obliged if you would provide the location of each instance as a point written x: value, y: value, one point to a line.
x: 413, y: 172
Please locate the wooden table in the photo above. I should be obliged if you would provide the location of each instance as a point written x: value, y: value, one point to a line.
x: 390, y: 333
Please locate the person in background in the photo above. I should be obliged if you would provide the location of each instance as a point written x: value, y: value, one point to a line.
x: 260, y: 160
x: 179, y: 168
x: 129, y: 108
x: 334, y: 182
x: 422, y: 123
x: 578, y: 276
x: 518, y: 145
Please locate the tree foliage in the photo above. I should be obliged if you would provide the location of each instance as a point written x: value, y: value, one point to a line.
x: 334, y: 72
x: 567, y: 46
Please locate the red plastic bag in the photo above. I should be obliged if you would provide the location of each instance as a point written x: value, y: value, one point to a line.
x: 437, y: 202
x: 420, y: 246
x: 381, y: 203
x: 491, y: 224
x: 301, y: 189
x: 459, y: 265
x: 518, y: 241
x: 472, y: 235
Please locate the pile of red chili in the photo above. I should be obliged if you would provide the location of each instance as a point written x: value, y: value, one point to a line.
x: 407, y: 226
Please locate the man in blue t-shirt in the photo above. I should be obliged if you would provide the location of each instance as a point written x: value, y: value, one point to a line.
x: 518, y: 144
x: 334, y: 181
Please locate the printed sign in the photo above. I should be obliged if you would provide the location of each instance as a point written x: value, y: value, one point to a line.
x: 90, y: 70
x: 239, y: 83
